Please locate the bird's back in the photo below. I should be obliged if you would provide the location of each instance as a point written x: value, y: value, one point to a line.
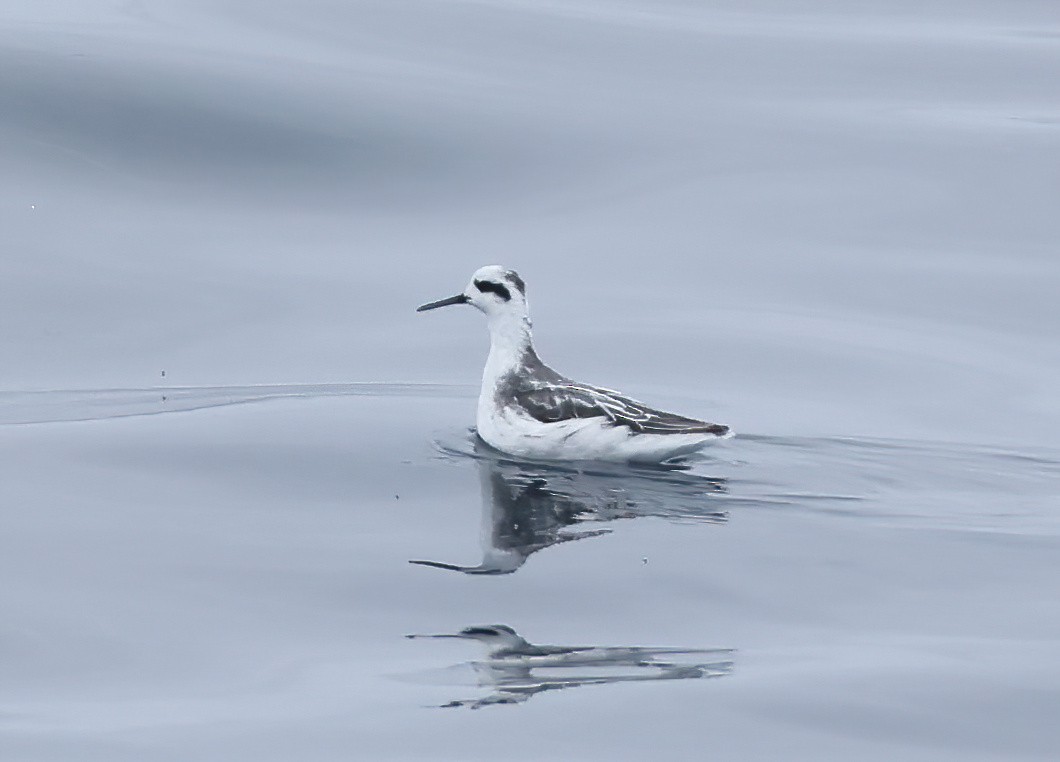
x: 534, y: 411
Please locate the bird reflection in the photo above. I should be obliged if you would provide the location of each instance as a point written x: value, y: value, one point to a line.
x: 515, y: 670
x: 530, y: 506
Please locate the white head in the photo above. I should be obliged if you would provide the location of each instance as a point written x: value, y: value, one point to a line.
x: 497, y: 291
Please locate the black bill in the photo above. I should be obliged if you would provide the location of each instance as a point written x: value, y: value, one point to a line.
x: 458, y: 299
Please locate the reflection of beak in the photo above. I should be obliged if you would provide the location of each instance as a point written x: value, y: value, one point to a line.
x: 483, y: 568
x: 434, y: 636
x: 458, y: 299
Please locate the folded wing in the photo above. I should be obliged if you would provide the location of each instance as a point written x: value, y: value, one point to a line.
x: 562, y: 401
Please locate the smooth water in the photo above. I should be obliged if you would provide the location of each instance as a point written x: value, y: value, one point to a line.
x: 225, y: 434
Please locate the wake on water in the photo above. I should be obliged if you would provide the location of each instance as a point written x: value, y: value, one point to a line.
x: 919, y: 483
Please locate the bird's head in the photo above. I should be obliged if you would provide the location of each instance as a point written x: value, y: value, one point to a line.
x: 495, y: 290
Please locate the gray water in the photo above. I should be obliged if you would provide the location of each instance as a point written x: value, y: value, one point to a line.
x: 225, y: 433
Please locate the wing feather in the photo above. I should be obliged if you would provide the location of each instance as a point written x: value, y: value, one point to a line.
x: 551, y: 402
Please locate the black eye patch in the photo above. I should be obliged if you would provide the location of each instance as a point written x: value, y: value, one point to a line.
x: 497, y: 288
x: 480, y: 631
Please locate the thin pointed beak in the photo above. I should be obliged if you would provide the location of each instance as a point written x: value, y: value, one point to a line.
x: 433, y: 636
x: 458, y: 299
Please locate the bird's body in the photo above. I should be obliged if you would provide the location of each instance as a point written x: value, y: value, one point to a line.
x: 528, y: 410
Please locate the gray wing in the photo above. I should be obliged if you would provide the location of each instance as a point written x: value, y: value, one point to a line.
x: 565, y: 400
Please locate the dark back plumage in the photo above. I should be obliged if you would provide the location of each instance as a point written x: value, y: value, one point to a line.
x: 549, y: 397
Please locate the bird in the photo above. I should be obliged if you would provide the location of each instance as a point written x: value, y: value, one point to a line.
x: 528, y: 410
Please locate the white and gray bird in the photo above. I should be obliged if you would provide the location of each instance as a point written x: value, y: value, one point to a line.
x: 528, y: 410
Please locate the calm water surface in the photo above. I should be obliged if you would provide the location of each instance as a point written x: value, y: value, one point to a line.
x: 225, y: 434
x: 234, y: 581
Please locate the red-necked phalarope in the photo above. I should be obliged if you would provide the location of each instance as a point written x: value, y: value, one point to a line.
x: 529, y: 410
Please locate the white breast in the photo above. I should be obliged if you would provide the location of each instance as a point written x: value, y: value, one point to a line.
x: 516, y: 433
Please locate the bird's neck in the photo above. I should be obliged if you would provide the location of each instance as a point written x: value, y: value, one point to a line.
x: 511, y: 344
